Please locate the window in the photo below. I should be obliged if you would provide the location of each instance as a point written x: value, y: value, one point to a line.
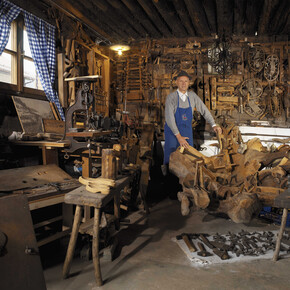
x: 8, y: 71
x: 30, y: 77
x: 16, y: 64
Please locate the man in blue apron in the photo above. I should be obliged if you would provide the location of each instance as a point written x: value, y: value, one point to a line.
x: 179, y: 109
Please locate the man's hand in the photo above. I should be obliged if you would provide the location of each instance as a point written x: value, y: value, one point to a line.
x: 217, y: 129
x: 182, y: 140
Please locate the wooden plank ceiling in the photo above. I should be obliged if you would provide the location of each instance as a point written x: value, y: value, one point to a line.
x: 125, y: 20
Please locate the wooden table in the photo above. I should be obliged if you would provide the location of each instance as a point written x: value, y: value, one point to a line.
x: 44, y: 186
x: 282, y: 201
x: 81, y: 197
x: 49, y: 149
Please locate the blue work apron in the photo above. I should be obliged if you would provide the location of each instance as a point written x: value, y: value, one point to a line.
x: 183, y: 119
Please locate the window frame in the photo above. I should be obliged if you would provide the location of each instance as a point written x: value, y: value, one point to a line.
x: 18, y: 64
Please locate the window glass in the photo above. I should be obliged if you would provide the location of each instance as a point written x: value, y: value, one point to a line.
x: 12, y: 38
x: 31, y: 79
x: 9, y: 44
x: 6, y: 68
x: 26, y: 48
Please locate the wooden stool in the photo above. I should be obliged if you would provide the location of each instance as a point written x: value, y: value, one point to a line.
x: 281, y: 201
x: 81, y: 197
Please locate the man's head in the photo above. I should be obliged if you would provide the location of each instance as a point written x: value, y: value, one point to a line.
x: 182, y: 81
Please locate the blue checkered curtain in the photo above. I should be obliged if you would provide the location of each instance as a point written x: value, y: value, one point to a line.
x: 41, y: 38
x: 8, y: 12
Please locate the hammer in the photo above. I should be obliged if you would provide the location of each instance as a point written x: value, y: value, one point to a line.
x: 203, y: 251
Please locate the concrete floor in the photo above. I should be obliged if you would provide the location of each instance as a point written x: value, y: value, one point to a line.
x: 149, y: 259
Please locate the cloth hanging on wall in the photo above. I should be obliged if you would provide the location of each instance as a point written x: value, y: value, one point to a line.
x: 8, y: 12
x: 41, y: 38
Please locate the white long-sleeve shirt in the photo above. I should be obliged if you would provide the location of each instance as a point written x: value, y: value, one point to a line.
x: 195, y: 102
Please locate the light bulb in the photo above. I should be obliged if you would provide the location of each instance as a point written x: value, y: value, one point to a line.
x: 119, y: 52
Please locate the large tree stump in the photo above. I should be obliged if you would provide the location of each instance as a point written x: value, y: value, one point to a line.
x: 231, y: 179
x: 241, y: 207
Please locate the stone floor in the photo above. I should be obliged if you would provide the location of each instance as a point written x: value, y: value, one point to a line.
x: 149, y: 259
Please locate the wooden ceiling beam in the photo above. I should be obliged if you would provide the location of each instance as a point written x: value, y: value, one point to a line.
x: 139, y: 13
x: 112, y: 26
x: 224, y: 17
x: 198, y: 17
x: 36, y: 8
x: 279, y: 18
x: 150, y: 10
x: 184, y: 16
x: 130, y: 18
x: 252, y: 16
x: 112, y: 16
x: 239, y: 17
x: 210, y: 11
x: 286, y: 29
x: 265, y: 16
x: 170, y: 16
x: 70, y: 10
x: 99, y: 19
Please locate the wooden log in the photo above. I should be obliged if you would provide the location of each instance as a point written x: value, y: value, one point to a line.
x: 196, y: 153
x: 200, y: 196
x: 241, y: 207
x: 180, y: 165
x: 267, y: 194
x: 109, y: 169
x: 183, y: 198
x: 265, y: 158
x: 286, y: 166
x: 272, y: 177
x: 236, y: 188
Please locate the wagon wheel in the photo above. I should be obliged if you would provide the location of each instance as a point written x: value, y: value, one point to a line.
x: 254, y: 104
x: 256, y: 58
x: 271, y: 69
x: 220, y: 58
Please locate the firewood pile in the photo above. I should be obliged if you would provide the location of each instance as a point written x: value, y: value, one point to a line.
x: 238, y: 181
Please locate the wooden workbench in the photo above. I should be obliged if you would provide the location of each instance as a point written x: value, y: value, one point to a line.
x: 48, y: 148
x: 81, y: 197
x: 44, y: 186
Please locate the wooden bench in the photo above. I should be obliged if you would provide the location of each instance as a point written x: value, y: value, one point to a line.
x: 81, y: 197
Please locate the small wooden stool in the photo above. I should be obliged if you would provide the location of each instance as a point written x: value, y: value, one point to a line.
x: 281, y: 201
x: 81, y: 197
